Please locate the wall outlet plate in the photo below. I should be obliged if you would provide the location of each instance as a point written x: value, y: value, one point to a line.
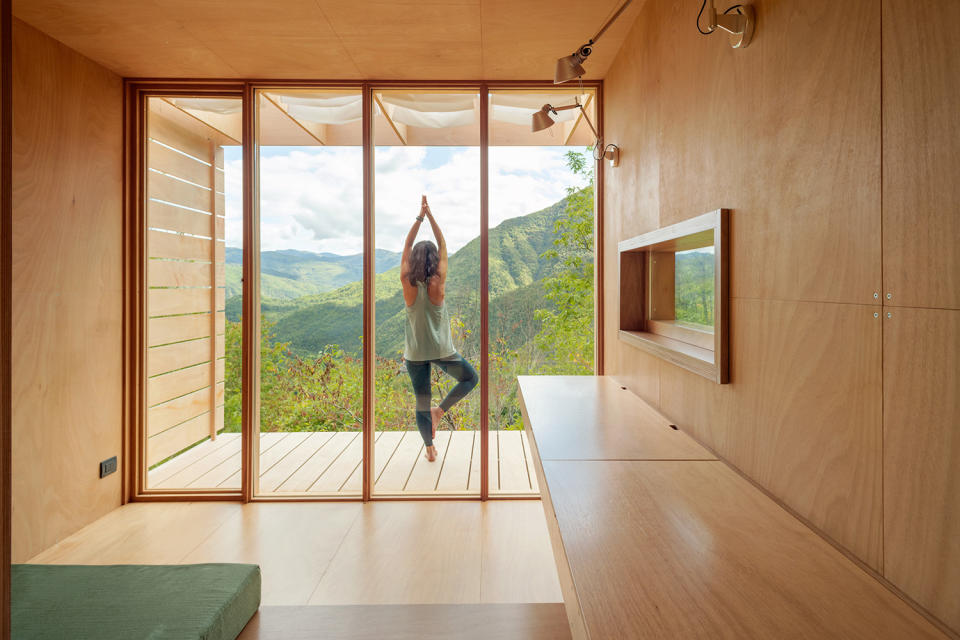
x: 108, y: 466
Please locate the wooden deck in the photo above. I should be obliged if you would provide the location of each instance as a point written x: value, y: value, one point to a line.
x: 324, y: 463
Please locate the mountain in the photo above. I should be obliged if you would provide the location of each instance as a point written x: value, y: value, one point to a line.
x: 312, y: 321
x: 289, y: 274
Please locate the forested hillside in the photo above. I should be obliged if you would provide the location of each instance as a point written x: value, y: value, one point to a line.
x: 290, y: 274
x: 310, y: 322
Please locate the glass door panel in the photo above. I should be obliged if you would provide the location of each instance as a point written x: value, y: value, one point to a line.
x: 541, y: 262
x: 310, y: 172
x: 193, y: 190
x: 427, y: 144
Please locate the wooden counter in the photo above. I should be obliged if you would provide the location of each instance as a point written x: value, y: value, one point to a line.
x: 655, y: 538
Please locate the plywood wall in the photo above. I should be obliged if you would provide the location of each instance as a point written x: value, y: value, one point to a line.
x: 833, y: 139
x: 67, y: 289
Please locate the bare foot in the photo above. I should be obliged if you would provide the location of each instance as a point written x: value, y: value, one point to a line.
x: 431, y: 454
x: 436, y: 414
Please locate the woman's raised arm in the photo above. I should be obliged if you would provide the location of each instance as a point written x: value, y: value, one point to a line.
x: 441, y: 243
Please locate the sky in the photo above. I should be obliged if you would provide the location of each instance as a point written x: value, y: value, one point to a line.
x: 312, y: 197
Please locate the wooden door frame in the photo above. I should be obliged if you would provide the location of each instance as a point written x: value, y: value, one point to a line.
x: 135, y: 93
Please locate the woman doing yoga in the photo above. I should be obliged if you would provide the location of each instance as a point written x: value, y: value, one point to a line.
x: 423, y: 272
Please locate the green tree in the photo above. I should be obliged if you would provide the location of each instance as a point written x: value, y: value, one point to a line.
x: 566, y: 335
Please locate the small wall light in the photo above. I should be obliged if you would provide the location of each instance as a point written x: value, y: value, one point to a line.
x: 541, y: 120
x: 570, y: 67
x: 740, y: 24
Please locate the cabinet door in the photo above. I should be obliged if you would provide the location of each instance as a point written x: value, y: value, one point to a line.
x: 921, y: 428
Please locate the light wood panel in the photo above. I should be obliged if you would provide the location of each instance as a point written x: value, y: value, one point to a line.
x: 593, y: 418
x: 169, y: 217
x: 921, y: 154
x: 298, y: 544
x: 293, y: 544
x: 410, y: 622
x: 128, y: 535
x: 517, y: 562
x: 165, y: 443
x: 303, y: 38
x: 921, y: 456
x: 440, y: 565
x: 175, y: 356
x: 792, y: 149
x: 802, y: 416
x: 787, y: 134
x: 697, y: 552
x: 161, y: 331
x: 67, y: 290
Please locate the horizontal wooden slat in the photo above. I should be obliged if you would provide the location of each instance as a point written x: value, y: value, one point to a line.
x: 178, y: 328
x: 175, y: 163
x: 177, y: 383
x: 171, y: 134
x: 172, y: 245
x: 179, y: 273
x: 169, y: 442
x: 164, y: 302
x: 166, y: 216
x: 219, y: 178
x: 220, y: 207
x: 164, y: 187
x: 173, y: 412
x: 177, y: 356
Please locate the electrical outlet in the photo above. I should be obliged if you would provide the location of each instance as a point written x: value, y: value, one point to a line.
x: 108, y: 466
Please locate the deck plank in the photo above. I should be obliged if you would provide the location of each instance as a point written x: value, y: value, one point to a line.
x: 187, y: 475
x: 185, y: 459
x: 354, y: 483
x: 311, y: 462
x: 513, y: 466
x: 220, y: 474
x: 474, y: 485
x: 387, y: 443
x: 335, y: 475
x: 289, y: 464
x: 314, y: 464
x: 455, y: 475
x: 270, y: 456
x: 394, y: 476
x: 424, y: 476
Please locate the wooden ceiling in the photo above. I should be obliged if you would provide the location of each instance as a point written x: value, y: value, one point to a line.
x: 332, y: 39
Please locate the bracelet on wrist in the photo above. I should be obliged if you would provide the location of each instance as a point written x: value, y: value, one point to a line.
x: 420, y: 218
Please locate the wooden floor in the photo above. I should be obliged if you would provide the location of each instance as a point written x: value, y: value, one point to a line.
x: 329, y: 463
x: 411, y: 622
x: 340, y: 553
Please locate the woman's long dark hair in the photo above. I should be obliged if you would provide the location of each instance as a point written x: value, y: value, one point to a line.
x: 424, y: 259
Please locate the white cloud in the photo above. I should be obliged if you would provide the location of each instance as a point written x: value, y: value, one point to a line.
x: 312, y: 199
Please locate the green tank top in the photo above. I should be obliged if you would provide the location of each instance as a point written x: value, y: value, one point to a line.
x: 427, y: 330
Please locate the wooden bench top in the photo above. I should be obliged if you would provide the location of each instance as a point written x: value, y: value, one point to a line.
x: 684, y: 548
x: 594, y: 418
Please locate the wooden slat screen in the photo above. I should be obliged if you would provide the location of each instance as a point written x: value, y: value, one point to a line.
x: 185, y: 279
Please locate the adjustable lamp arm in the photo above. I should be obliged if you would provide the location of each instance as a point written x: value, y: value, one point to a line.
x: 585, y: 117
x: 610, y: 21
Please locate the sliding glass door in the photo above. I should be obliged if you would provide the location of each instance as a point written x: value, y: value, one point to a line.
x: 541, y: 308
x: 310, y: 202
x: 319, y: 394
x: 427, y: 144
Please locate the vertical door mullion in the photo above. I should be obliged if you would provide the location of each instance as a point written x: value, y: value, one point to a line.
x: 369, y: 306
x: 250, y: 322
x: 484, y: 293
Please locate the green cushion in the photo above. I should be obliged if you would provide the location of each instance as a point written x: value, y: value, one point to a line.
x: 128, y: 602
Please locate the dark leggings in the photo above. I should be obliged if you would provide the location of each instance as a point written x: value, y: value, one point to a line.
x: 455, y: 366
